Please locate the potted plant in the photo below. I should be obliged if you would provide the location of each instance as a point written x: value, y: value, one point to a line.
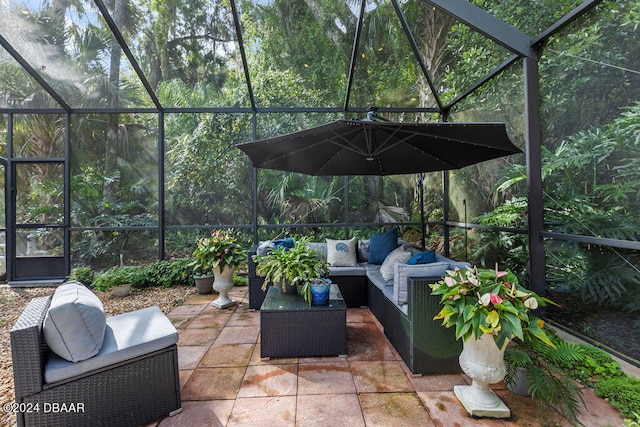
x: 289, y: 267
x: 220, y: 254
x: 315, y: 291
x: 488, y: 309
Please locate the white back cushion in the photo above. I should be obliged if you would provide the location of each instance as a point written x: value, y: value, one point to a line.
x: 75, y: 322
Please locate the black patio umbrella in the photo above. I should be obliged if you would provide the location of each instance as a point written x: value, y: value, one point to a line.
x: 364, y: 147
x: 367, y: 147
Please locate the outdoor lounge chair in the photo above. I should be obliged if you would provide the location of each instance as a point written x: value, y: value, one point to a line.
x: 131, y: 379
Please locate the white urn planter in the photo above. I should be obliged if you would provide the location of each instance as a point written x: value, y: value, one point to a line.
x: 222, y: 283
x: 483, y: 362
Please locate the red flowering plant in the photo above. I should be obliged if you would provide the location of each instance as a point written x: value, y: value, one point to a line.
x: 483, y: 301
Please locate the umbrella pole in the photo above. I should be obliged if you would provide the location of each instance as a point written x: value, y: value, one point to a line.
x: 421, y: 201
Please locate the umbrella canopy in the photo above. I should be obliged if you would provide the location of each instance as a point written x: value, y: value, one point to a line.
x: 364, y: 147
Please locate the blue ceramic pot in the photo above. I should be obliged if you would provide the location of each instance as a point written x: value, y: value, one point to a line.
x: 320, y: 292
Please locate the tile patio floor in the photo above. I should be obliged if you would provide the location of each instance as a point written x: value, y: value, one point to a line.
x: 226, y: 383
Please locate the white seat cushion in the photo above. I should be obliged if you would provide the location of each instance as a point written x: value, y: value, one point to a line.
x: 126, y: 336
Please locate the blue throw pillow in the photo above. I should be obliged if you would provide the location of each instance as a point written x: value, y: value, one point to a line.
x: 287, y: 243
x: 381, y: 245
x: 425, y: 257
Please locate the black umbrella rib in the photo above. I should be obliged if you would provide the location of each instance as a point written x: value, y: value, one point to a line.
x: 347, y: 144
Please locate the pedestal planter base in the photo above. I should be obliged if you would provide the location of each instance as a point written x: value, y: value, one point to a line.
x: 223, y: 302
x: 483, y: 361
x: 223, y: 283
x: 479, y: 403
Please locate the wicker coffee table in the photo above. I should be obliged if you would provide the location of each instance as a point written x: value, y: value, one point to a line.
x: 292, y: 328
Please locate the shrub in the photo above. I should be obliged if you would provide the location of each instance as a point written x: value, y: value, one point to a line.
x: 623, y: 394
x: 597, y: 364
x: 82, y: 275
x: 168, y: 273
x: 240, y: 280
x: 117, y: 276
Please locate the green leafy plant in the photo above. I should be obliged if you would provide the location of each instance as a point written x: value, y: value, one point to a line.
x: 83, y: 275
x: 168, y: 273
x: 239, y: 280
x: 596, y: 365
x: 633, y: 422
x: 623, y: 393
x: 536, y: 364
x: 481, y: 301
x: 118, y: 276
x: 219, y: 250
x: 295, y: 265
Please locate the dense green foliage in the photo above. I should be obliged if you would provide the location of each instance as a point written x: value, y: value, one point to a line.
x: 623, y: 393
x: 157, y: 274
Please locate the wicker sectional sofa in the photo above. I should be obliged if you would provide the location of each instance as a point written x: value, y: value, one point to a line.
x: 130, y: 381
x: 403, y: 305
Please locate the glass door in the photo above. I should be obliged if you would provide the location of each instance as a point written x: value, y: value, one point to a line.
x: 38, y: 202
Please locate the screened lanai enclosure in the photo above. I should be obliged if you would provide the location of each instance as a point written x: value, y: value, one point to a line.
x: 119, y: 122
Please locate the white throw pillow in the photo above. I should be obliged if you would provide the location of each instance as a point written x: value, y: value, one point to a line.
x: 341, y: 253
x: 75, y: 322
x: 397, y: 255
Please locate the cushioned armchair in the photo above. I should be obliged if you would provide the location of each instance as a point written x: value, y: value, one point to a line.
x: 126, y: 376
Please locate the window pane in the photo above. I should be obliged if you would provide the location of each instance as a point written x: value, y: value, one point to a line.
x: 38, y: 136
x: 39, y: 196
x: 114, y: 170
x: 208, y: 180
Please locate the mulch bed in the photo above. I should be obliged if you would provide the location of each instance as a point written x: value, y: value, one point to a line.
x: 612, y: 328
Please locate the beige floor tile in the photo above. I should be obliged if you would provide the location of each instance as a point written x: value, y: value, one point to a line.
x: 210, y: 413
x: 325, y: 378
x: 180, y: 322
x: 211, y: 309
x: 184, y: 375
x: 187, y: 309
x: 198, y: 336
x: 197, y: 299
x: 227, y: 355
x: 394, y: 409
x: 264, y: 411
x: 274, y: 380
x: 379, y: 377
x: 436, y: 382
x: 238, y: 335
x: 329, y: 410
x: 366, y: 342
x: 257, y: 360
x: 189, y: 356
x: 445, y: 410
x: 213, y: 384
x: 245, y: 318
x: 213, y: 320
x: 359, y: 315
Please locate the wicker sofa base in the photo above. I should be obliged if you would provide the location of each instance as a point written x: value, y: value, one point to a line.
x: 424, y: 345
x: 131, y: 393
